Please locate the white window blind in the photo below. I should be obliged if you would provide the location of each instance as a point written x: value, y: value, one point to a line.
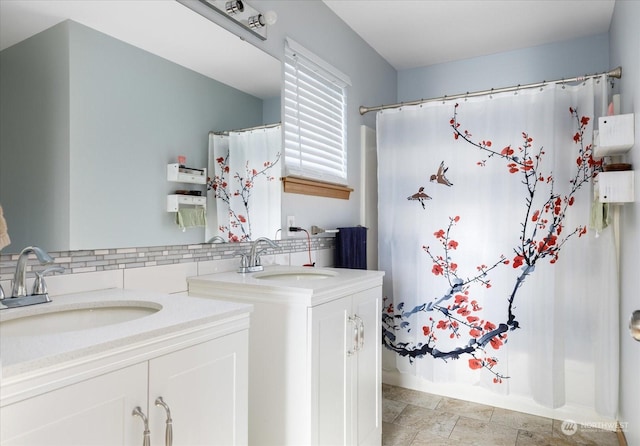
x: 314, y: 117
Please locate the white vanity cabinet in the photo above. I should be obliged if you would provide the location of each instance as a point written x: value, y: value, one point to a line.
x: 204, y: 386
x: 199, y: 368
x: 96, y: 411
x: 345, y: 364
x: 314, y: 353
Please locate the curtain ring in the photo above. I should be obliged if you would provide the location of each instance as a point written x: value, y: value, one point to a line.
x: 515, y: 93
x: 491, y: 94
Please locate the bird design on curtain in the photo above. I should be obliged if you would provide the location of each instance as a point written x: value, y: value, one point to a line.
x: 420, y: 197
x: 456, y: 315
x: 439, y: 176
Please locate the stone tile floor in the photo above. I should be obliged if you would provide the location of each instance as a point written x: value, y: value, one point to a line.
x: 412, y: 418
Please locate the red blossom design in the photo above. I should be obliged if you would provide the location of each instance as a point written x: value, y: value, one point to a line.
x: 540, y: 238
x: 475, y: 363
x: 223, y: 191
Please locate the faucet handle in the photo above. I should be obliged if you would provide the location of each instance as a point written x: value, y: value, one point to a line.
x: 39, y: 286
x: 244, y: 262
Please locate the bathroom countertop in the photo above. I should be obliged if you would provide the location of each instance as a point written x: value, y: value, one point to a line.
x: 292, y: 284
x: 25, y: 354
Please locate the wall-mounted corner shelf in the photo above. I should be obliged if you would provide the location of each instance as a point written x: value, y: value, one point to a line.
x: 616, y: 187
x: 615, y: 135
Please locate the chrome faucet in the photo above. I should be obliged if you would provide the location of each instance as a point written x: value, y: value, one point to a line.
x: 254, y: 256
x: 19, y: 297
x: 20, y: 279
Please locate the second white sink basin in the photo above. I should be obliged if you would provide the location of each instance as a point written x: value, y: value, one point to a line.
x: 61, y: 320
x: 296, y: 275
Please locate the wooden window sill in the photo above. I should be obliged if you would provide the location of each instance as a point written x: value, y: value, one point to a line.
x: 304, y: 186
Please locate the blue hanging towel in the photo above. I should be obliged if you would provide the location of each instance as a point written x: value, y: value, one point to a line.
x: 351, y: 248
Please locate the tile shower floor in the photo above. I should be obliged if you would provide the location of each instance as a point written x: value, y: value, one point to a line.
x: 412, y: 418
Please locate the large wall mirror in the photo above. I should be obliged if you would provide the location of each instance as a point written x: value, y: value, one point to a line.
x: 98, y: 98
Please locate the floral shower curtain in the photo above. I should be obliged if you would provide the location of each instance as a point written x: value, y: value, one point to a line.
x: 244, y: 169
x: 493, y: 276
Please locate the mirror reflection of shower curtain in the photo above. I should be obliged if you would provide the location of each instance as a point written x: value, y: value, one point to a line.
x: 248, y: 163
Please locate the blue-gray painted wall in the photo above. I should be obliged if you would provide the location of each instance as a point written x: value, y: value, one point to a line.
x: 119, y: 116
x: 625, y: 51
x: 560, y: 60
x: 34, y: 139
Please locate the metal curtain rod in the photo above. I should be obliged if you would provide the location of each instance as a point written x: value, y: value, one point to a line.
x: 616, y: 72
x: 258, y: 127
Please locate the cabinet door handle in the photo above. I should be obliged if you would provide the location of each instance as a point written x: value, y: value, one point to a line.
x: 360, y: 332
x: 351, y: 352
x: 146, y: 436
x: 168, y: 433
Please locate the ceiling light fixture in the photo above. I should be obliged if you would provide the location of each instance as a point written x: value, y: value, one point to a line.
x: 237, y: 11
x: 256, y: 21
x: 234, y: 7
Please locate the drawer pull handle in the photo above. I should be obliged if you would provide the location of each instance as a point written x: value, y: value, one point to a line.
x: 146, y: 436
x: 168, y: 434
x: 354, y: 350
x: 360, y: 332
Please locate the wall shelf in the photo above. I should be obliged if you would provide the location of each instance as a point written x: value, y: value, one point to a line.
x: 616, y: 187
x: 179, y: 174
x: 175, y: 201
x: 615, y: 135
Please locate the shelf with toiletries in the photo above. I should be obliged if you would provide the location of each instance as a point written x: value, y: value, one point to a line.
x: 179, y: 173
x: 613, y: 139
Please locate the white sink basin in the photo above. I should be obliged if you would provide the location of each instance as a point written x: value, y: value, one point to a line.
x: 61, y: 320
x: 296, y: 275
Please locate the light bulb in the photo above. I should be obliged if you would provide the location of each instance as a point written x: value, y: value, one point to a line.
x: 270, y: 17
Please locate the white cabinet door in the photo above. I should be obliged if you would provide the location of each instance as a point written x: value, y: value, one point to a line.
x: 346, y: 376
x: 205, y: 387
x: 96, y: 411
x: 330, y: 387
x: 367, y: 372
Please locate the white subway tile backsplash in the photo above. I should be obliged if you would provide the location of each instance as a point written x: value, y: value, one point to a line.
x: 79, y: 283
x: 163, y: 278
x: 159, y: 268
x: 217, y: 266
x: 324, y: 257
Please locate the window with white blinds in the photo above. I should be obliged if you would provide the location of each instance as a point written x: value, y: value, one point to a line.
x: 315, y: 140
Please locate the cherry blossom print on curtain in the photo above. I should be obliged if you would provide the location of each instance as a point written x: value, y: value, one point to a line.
x: 492, y: 275
x: 244, y: 172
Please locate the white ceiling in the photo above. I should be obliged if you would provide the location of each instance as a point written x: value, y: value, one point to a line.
x: 406, y: 33
x: 418, y: 33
